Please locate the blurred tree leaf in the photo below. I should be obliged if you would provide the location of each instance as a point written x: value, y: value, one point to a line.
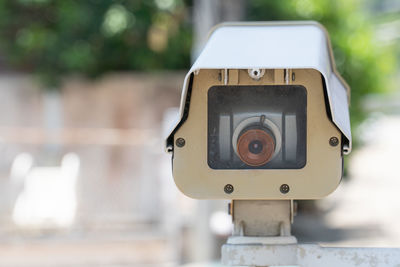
x: 56, y: 38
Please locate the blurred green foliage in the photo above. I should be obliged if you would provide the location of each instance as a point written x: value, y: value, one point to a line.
x: 364, y: 64
x: 54, y: 38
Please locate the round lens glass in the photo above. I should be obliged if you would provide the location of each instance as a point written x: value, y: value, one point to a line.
x: 255, y: 147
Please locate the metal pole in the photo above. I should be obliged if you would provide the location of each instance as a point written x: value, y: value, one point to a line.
x: 208, y: 13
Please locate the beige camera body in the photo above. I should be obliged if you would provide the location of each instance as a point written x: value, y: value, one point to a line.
x: 264, y: 115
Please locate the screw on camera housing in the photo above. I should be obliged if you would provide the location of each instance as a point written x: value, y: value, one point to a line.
x: 333, y: 141
x: 180, y: 142
x: 284, y: 189
x: 256, y: 74
x: 228, y: 188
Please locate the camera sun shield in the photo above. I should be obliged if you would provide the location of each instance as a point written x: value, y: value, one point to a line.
x: 257, y: 127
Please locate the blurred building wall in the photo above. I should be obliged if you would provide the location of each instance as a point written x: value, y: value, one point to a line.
x: 114, y: 126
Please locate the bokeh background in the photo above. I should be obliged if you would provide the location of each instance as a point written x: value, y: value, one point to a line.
x: 89, y: 90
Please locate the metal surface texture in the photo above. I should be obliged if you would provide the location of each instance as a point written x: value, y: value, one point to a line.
x: 307, y: 255
x: 285, y: 45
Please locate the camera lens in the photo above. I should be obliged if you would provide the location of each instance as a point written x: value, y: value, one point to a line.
x: 255, y: 147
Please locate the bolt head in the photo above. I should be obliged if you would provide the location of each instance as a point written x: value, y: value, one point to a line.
x: 334, y: 141
x: 180, y: 142
x: 284, y: 189
x: 228, y: 188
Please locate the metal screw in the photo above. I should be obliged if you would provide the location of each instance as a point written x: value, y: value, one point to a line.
x: 284, y: 189
x: 333, y: 141
x: 256, y: 74
x: 180, y: 142
x: 228, y: 188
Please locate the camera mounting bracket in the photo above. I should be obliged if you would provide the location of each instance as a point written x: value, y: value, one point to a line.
x: 261, y: 237
x: 262, y: 222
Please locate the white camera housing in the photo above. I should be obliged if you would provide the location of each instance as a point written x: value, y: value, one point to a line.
x: 282, y: 74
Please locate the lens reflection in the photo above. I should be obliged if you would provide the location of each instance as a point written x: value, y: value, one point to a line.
x: 255, y: 147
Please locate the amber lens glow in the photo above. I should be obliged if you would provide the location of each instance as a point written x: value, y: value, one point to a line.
x: 255, y: 147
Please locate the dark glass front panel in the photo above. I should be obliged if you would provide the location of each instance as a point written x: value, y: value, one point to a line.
x: 257, y: 127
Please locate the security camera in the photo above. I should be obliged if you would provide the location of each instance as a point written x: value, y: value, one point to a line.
x: 264, y: 115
